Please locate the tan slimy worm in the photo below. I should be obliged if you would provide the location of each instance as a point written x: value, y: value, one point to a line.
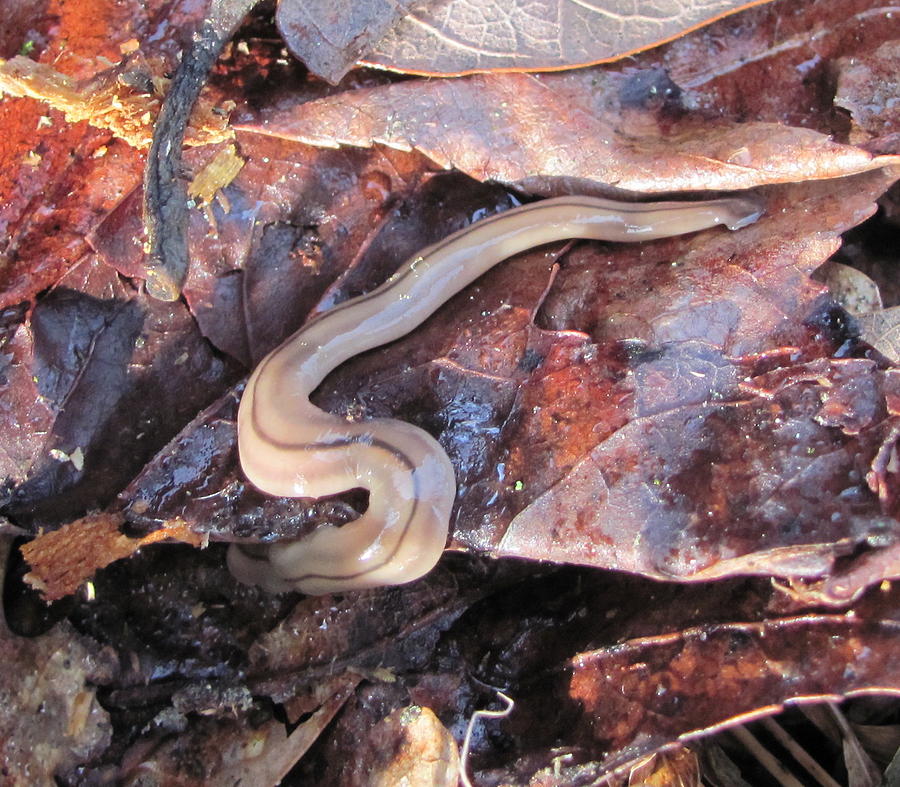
x: 289, y: 447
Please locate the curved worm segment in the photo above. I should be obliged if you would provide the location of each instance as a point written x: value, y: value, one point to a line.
x: 289, y: 447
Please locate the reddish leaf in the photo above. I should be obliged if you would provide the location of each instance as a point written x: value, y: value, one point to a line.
x: 76, y: 171
x: 769, y: 430
x: 60, y: 180
x: 670, y: 687
x: 643, y: 497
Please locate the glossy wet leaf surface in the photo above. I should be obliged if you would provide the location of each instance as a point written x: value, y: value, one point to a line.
x: 677, y: 468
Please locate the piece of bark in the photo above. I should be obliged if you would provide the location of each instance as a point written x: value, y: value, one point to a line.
x: 62, y: 560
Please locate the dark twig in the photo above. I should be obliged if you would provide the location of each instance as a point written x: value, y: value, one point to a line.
x: 165, y: 194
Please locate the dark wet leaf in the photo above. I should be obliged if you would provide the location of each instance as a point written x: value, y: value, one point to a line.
x: 49, y: 701
x: 867, y: 89
x: 693, y: 408
x: 603, y: 672
x: 693, y: 440
x: 99, y: 379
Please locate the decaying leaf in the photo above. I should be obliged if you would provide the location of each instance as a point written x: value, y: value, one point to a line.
x: 227, y: 752
x: 124, y: 100
x: 77, y: 170
x: 80, y: 172
x: 653, y: 427
x: 868, y: 88
x: 330, y: 37
x: 678, y: 501
x: 648, y: 668
x: 449, y: 37
x: 632, y: 487
x: 96, y: 372
x: 881, y: 329
x: 50, y: 718
x: 527, y: 129
x: 670, y: 673
x: 58, y: 568
x: 851, y: 288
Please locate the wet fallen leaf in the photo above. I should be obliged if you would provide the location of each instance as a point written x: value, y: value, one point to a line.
x: 868, y: 89
x: 634, y: 476
x: 690, y: 409
x: 659, y: 661
x: 669, y: 673
x: 99, y: 372
x: 59, y: 179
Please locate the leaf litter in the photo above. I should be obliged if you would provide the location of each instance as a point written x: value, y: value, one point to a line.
x: 449, y: 37
x: 700, y: 407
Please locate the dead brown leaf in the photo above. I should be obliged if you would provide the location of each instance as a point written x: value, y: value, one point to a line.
x: 881, y: 329
x: 527, y: 129
x: 691, y: 408
x: 329, y: 37
x: 80, y: 173
x: 868, y: 88
x: 454, y: 37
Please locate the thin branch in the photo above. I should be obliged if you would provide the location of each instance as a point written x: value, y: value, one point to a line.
x: 165, y: 194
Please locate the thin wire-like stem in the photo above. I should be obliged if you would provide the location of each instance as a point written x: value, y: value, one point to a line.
x: 476, y: 717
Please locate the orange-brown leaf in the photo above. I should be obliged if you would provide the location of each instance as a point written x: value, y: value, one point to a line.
x: 526, y: 130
